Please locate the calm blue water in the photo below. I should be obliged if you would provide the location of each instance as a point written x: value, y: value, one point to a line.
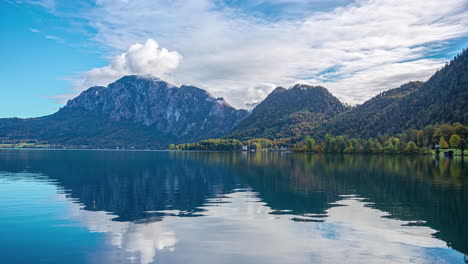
x: 63, y: 206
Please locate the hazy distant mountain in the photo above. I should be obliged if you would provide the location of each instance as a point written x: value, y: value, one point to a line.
x: 288, y: 113
x: 442, y: 99
x: 133, y: 111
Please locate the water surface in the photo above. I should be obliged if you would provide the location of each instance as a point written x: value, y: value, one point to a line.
x: 63, y: 206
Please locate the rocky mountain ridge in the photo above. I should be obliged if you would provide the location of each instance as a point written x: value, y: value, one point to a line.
x: 186, y: 112
x: 132, y: 111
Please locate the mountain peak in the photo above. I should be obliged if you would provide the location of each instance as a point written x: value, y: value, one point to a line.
x: 140, y: 82
x: 189, y: 113
x: 135, y: 77
x: 279, y: 89
x: 305, y: 87
x: 280, y: 116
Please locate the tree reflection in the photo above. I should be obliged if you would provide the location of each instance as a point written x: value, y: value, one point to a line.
x: 138, y: 186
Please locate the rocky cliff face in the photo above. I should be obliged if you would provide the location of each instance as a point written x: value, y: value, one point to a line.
x: 133, y: 111
x: 188, y: 112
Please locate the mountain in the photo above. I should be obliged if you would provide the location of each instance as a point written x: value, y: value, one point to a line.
x: 289, y: 113
x: 133, y: 111
x: 442, y: 99
x: 148, y: 112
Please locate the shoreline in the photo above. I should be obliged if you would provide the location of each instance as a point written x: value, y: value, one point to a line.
x: 262, y: 151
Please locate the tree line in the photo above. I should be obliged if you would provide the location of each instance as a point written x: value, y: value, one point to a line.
x: 412, y: 141
x: 219, y: 144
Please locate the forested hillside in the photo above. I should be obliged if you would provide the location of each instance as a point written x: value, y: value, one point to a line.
x: 442, y: 99
x: 289, y: 113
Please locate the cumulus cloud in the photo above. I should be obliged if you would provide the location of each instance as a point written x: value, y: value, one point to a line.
x: 355, y: 49
x: 141, y: 59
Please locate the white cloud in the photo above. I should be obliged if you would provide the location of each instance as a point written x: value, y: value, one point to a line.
x: 48, y: 4
x: 51, y: 37
x: 141, y: 59
x: 58, y: 39
x: 356, y: 50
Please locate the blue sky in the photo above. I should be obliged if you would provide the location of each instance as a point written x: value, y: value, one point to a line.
x: 38, y: 64
x: 237, y: 49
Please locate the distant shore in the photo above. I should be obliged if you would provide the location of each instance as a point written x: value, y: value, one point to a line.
x: 236, y: 151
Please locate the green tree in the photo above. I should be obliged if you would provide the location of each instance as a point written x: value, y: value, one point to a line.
x: 411, y: 135
x: 436, y: 136
x: 428, y: 132
x: 392, y: 145
x: 256, y: 146
x: 368, y: 145
x: 411, y: 148
x: 328, y: 143
x: 455, y: 141
x: 420, y: 138
x: 379, y: 148
x: 310, y: 143
x: 442, y: 143
x: 349, y: 149
x: 461, y: 130
x: 447, y: 130
x: 340, y: 144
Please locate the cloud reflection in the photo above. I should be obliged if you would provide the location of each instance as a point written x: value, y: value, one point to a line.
x: 141, y: 240
x: 239, y: 228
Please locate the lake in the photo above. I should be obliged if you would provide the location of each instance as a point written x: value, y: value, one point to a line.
x: 85, y: 206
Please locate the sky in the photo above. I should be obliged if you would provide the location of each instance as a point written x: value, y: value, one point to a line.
x: 238, y: 49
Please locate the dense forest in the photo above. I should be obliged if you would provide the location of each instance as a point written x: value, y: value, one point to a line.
x: 425, y: 141
x: 412, y: 141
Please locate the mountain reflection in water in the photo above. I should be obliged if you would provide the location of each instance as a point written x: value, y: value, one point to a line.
x: 189, y: 207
